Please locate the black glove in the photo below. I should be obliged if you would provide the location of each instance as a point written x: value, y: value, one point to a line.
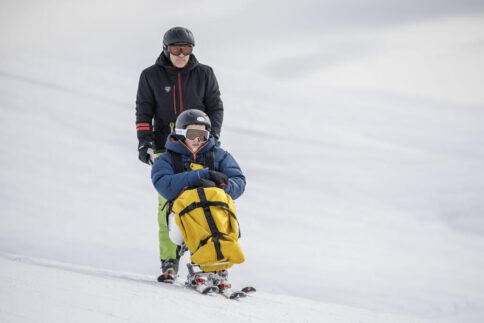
x: 202, y: 182
x: 219, y: 178
x: 146, y: 154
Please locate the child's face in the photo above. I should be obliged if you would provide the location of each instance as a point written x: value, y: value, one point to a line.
x: 194, y: 145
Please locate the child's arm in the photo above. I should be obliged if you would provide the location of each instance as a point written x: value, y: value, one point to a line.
x: 169, y: 184
x: 236, y: 185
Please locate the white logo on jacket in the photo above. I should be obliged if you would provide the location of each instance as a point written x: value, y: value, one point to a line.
x: 167, y: 89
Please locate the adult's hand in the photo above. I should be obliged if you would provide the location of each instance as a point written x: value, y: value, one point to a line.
x: 146, y: 154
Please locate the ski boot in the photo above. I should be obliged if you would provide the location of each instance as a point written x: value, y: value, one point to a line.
x: 169, y: 267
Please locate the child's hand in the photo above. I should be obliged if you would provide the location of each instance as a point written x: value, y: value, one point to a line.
x: 219, y: 178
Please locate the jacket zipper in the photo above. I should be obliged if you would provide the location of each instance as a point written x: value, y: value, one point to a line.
x: 180, y: 94
x: 174, y: 98
x: 194, y: 153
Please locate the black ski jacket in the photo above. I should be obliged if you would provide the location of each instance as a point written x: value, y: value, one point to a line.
x: 165, y: 91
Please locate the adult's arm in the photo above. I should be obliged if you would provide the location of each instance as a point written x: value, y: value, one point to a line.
x: 145, y: 109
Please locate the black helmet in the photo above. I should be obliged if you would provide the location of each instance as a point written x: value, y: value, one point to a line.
x: 193, y: 116
x: 177, y: 35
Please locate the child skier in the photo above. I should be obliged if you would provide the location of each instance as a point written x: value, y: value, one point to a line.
x: 192, y: 147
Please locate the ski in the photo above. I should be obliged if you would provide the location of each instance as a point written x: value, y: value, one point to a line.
x: 226, y: 291
x: 200, y: 286
x: 234, y: 295
x: 207, y: 283
x: 203, y: 289
x: 206, y: 290
x: 249, y: 290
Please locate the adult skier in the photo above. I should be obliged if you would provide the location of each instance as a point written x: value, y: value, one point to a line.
x: 192, y: 140
x: 176, y: 83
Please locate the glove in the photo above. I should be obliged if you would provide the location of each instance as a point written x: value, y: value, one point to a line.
x: 146, y: 154
x: 202, y: 182
x: 218, y: 178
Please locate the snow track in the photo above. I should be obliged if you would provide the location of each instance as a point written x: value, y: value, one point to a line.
x: 41, y: 290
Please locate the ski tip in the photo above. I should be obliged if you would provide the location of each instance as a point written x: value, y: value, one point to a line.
x: 166, y: 278
x: 166, y: 281
x: 209, y: 290
x: 237, y: 295
x: 248, y: 289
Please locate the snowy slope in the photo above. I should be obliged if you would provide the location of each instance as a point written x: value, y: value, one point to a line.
x: 83, y: 294
x: 380, y: 211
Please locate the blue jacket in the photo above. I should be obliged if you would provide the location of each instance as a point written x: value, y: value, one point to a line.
x: 170, y: 185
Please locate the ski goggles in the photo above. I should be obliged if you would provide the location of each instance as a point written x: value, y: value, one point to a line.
x: 193, y: 134
x: 177, y: 50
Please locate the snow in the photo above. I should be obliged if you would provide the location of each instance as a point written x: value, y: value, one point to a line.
x: 82, y: 294
x: 364, y: 169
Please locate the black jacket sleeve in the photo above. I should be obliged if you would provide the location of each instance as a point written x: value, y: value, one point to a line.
x: 213, y: 103
x: 145, y: 109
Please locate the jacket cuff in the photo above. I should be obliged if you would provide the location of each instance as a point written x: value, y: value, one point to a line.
x: 201, y: 173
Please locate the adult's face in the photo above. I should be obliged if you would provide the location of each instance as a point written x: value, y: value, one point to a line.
x: 179, y: 61
x: 180, y: 54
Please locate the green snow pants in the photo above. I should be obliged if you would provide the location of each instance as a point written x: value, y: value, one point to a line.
x: 167, y: 248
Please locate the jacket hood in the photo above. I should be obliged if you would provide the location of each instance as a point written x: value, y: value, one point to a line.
x: 176, y: 145
x: 165, y: 62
